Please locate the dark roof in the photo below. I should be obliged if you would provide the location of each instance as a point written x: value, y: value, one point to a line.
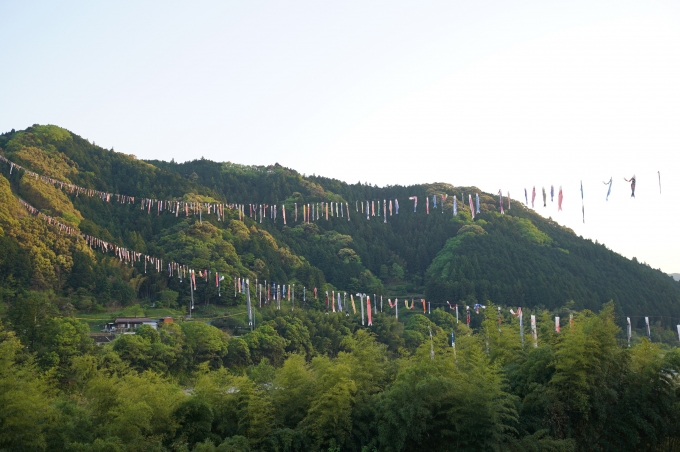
x: 133, y: 320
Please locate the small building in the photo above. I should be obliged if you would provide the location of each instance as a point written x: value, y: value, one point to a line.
x: 166, y: 320
x: 127, y: 324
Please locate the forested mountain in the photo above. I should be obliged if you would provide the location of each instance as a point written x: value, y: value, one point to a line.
x: 304, y: 378
x: 516, y: 259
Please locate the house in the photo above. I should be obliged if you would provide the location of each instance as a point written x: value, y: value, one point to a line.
x: 126, y: 324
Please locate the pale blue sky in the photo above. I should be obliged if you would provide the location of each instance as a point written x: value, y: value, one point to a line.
x: 494, y: 94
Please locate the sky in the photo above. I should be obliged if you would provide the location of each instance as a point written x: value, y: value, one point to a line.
x: 500, y: 95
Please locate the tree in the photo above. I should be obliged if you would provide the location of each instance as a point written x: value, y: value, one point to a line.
x: 293, y: 391
x: 397, y: 272
x: 168, y: 299
x: 195, y: 418
x: 28, y: 313
x: 24, y: 397
x: 589, y: 367
x: 384, y: 272
x: 62, y: 339
x: 295, y: 332
x: 204, y: 343
x: 135, y: 408
x: 264, y: 342
x: 450, y: 407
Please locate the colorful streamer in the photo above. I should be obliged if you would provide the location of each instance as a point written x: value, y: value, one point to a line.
x: 632, y: 184
x: 609, y: 190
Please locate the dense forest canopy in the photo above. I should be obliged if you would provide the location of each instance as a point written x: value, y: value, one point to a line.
x: 304, y: 377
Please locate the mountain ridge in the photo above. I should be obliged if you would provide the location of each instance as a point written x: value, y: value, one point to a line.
x: 516, y: 259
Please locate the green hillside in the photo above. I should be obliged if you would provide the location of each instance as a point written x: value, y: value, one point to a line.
x: 516, y: 259
x: 303, y: 377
